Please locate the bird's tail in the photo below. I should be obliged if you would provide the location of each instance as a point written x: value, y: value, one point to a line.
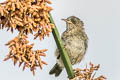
x: 56, y: 70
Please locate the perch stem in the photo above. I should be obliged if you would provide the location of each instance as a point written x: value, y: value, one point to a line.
x: 63, y: 54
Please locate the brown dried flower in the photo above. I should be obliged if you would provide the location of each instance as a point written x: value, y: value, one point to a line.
x: 88, y: 74
x: 26, y: 15
x: 21, y: 52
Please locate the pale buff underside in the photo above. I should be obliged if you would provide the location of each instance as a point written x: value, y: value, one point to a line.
x: 75, y: 49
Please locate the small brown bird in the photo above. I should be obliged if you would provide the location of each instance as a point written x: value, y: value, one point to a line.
x: 75, y: 43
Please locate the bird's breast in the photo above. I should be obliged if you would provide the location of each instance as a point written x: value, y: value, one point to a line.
x: 75, y: 47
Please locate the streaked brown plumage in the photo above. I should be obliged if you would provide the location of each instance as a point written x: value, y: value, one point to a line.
x: 75, y: 42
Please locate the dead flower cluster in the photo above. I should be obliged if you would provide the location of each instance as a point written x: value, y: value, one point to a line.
x: 21, y: 52
x: 88, y: 74
x: 26, y: 15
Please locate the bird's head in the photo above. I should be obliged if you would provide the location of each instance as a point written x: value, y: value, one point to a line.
x: 73, y: 21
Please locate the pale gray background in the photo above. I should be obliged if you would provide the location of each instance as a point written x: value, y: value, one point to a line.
x: 102, y: 24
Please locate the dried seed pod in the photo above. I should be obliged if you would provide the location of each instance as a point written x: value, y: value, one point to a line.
x: 49, y: 2
x: 87, y: 73
x: 20, y: 51
x: 26, y: 15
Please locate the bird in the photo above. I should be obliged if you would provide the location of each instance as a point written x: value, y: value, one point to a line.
x: 75, y: 42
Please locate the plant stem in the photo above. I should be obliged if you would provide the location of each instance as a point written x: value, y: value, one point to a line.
x: 63, y: 54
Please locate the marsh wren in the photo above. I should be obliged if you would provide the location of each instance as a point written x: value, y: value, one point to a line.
x: 75, y: 42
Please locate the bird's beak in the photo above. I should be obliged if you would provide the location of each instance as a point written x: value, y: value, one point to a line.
x: 64, y: 20
x: 67, y: 21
